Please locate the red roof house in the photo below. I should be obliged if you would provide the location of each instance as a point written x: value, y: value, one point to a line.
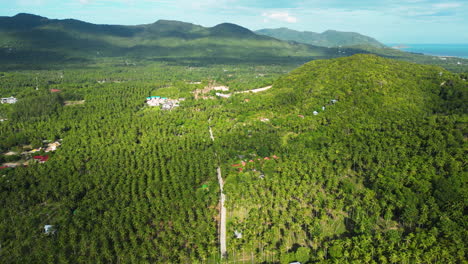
x: 41, y: 159
x: 55, y: 90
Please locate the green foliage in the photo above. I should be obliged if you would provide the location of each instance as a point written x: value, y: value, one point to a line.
x: 377, y: 177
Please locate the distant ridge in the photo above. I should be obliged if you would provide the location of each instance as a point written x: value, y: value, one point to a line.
x: 329, y: 38
x: 28, y: 40
x: 31, y: 38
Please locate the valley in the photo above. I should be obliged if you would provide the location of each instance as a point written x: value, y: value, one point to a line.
x: 177, y: 143
x: 331, y: 159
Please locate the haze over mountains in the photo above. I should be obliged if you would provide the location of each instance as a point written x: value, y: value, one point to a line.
x: 329, y: 38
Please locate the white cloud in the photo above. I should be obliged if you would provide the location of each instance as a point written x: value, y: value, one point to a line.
x: 84, y: 2
x: 280, y: 16
x: 446, y: 5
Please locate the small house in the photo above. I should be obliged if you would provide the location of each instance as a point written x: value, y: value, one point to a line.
x: 167, y: 106
x: 49, y: 229
x: 41, y: 159
x: 9, y: 100
x: 52, y: 146
x: 221, y: 88
x: 301, y: 116
x: 55, y: 90
x: 323, y: 108
x: 334, y: 101
x: 237, y: 234
x: 315, y: 113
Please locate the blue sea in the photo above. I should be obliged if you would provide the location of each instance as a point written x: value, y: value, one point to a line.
x: 453, y: 50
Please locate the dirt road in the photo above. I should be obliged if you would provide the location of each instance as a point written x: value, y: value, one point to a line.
x: 222, y: 212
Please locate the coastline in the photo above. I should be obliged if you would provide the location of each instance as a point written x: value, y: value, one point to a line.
x: 436, y: 50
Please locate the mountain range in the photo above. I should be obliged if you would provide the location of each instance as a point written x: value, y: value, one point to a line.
x: 329, y: 38
x: 33, y: 41
x: 31, y: 36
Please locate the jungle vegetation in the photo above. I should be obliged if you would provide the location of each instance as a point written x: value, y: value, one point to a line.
x: 376, y: 175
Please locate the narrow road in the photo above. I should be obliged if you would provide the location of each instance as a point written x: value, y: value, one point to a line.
x: 222, y: 213
x: 256, y: 90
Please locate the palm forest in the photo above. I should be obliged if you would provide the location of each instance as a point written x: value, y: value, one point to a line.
x: 359, y: 159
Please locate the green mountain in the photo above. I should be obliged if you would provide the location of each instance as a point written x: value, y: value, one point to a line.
x: 30, y: 41
x: 329, y: 38
x: 28, y: 37
x: 357, y: 176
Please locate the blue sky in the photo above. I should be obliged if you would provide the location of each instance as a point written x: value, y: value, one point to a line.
x: 389, y: 21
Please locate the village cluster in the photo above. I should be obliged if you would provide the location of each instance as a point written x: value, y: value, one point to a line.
x: 243, y: 164
x: 27, y: 156
x: 163, y: 102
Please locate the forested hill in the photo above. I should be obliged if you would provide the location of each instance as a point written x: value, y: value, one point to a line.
x: 370, y: 82
x: 375, y: 176
x: 29, y: 37
x: 329, y: 38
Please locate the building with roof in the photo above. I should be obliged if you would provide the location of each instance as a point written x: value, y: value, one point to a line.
x: 41, y: 159
x: 49, y: 229
x: 164, y: 102
x: 9, y: 100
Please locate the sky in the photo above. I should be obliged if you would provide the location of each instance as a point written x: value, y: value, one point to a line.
x: 389, y: 21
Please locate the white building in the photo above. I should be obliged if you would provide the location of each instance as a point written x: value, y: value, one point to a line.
x: 165, y: 103
x: 49, y: 229
x: 9, y: 100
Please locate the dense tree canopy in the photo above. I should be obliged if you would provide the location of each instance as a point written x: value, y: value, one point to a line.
x: 376, y: 175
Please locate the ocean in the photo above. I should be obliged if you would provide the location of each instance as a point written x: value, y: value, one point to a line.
x: 453, y: 50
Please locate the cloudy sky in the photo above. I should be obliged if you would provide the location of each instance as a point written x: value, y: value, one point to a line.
x: 389, y: 21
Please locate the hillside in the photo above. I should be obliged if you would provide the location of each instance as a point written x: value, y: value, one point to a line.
x: 377, y: 174
x: 362, y: 174
x: 26, y: 38
x: 329, y: 38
